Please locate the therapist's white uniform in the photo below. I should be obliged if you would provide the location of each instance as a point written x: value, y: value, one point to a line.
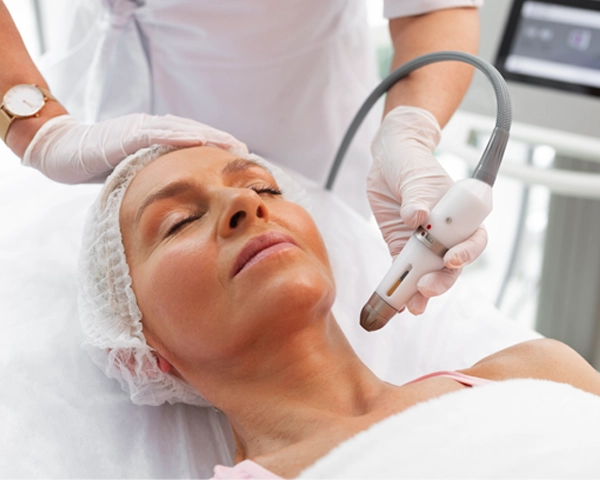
x: 284, y: 76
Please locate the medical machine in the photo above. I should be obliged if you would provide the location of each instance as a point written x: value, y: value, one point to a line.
x: 458, y: 213
x: 549, y: 53
x: 552, y: 44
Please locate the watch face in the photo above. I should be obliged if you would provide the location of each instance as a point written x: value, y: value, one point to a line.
x: 24, y: 100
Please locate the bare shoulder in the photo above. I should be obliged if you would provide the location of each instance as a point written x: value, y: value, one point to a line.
x: 542, y: 358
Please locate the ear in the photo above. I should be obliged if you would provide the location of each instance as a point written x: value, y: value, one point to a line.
x: 163, y: 364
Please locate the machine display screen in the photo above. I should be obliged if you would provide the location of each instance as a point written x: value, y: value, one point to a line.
x: 554, y: 44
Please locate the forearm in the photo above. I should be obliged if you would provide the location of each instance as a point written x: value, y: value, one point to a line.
x: 18, y: 67
x: 440, y: 87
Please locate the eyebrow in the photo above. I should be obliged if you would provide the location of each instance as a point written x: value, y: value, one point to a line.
x: 240, y: 165
x: 172, y: 189
x: 180, y: 187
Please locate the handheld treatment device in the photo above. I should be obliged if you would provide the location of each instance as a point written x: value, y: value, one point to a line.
x: 458, y: 213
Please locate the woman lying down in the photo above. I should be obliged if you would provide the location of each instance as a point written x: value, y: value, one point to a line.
x: 204, y: 282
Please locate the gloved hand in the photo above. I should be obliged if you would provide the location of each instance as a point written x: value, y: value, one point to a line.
x: 69, y: 152
x: 403, y: 185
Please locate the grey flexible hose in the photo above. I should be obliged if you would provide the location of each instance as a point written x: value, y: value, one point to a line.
x: 488, y: 166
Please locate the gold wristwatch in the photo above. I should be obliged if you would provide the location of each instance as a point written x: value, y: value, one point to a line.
x: 21, y: 101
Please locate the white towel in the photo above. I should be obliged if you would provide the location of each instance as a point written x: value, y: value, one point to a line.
x: 513, y: 429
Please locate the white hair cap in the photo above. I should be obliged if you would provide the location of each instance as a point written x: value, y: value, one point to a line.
x: 108, y: 310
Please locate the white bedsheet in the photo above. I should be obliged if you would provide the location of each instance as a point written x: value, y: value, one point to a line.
x: 61, y: 418
x: 513, y: 429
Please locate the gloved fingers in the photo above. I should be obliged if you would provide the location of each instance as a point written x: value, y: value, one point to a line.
x: 414, y: 214
x: 211, y: 135
x: 143, y: 138
x: 417, y: 303
x: 393, y: 230
x: 435, y: 283
x: 466, y: 252
x: 184, y: 137
x: 396, y: 216
x: 142, y: 130
x: 386, y: 210
x: 192, y: 133
x: 426, y: 186
x: 144, y: 121
x: 414, y: 179
x: 397, y: 242
x: 232, y: 145
x: 162, y: 121
x: 413, y: 174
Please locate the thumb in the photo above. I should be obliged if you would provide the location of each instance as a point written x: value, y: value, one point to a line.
x: 414, y: 214
x: 466, y: 252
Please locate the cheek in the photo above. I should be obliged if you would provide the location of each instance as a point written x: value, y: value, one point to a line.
x: 299, y: 221
x: 173, y: 287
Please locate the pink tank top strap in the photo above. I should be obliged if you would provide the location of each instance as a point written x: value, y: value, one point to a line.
x: 246, y: 469
x: 467, y: 380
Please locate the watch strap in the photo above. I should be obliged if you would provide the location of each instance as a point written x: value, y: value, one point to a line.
x: 5, y: 121
x: 46, y: 93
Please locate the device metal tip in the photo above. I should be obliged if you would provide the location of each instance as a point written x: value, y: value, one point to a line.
x: 370, y: 320
x: 376, y: 313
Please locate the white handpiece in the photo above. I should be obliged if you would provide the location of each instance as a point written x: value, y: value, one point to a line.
x: 454, y: 219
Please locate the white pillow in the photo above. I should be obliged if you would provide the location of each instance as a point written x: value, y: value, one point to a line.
x: 61, y: 417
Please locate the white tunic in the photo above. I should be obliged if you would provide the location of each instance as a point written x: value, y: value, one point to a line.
x: 284, y: 76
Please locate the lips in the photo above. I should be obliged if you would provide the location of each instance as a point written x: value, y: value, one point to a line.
x: 259, y: 247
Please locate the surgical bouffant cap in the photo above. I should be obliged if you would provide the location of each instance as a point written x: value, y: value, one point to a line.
x: 110, y: 317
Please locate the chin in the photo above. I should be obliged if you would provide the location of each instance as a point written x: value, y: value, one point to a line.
x: 294, y: 293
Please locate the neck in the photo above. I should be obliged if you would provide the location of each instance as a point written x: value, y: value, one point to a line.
x: 295, y: 390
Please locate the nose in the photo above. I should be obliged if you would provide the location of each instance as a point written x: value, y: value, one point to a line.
x: 243, y: 207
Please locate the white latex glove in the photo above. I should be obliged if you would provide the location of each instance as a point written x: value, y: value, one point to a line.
x: 403, y: 185
x: 69, y: 152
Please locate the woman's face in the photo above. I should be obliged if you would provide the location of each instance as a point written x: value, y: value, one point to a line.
x: 220, y: 262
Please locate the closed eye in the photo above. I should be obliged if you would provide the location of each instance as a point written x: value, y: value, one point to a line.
x: 270, y: 189
x: 181, y: 223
